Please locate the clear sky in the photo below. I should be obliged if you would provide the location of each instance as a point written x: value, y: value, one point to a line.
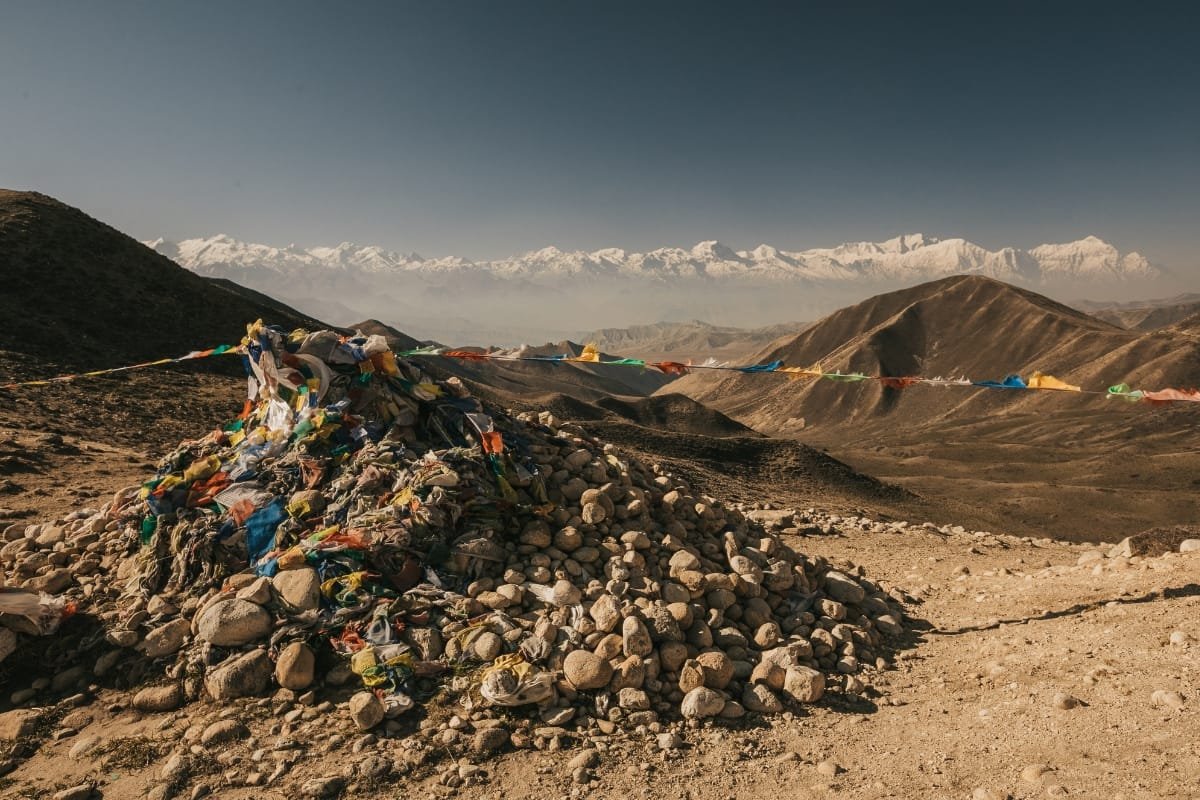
x: 485, y: 129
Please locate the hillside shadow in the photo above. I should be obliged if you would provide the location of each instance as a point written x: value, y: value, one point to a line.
x: 1187, y: 590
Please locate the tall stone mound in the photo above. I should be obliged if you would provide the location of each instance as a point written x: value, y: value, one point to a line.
x: 364, y: 533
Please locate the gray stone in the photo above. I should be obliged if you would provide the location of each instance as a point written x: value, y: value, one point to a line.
x: 586, y: 670
x: 294, y: 668
x: 606, y: 613
x: 366, y: 710
x: 166, y: 639
x: 257, y: 591
x: 487, y: 646
x: 80, y: 792
x: 804, y: 685
x: 584, y: 759
x: 233, y: 622
x: 635, y: 639
x: 222, y: 732
x: 82, y: 747
x: 18, y: 723
x: 760, y: 699
x: 299, y: 588
x: 701, y: 703
x: 633, y: 700
x: 68, y: 679
x: 176, y: 769
x: 490, y: 740
x: 156, y: 699
x: 843, y: 588
x: 321, y: 788
x: 240, y: 676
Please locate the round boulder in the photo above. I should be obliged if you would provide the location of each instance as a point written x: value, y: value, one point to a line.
x: 585, y: 670
x: 232, y: 623
x: 701, y: 703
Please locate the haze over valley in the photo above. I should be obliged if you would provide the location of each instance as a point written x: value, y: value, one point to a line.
x: 561, y: 293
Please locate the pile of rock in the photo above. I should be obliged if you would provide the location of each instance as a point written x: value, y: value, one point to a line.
x: 418, y: 542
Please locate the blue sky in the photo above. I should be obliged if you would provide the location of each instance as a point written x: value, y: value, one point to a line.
x: 488, y: 128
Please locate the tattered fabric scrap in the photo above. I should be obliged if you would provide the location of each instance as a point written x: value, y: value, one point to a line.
x: 1172, y: 396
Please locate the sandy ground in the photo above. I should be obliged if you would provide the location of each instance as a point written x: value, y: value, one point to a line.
x: 1098, y: 476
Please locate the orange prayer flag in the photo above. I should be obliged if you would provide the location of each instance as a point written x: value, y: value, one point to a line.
x: 465, y: 355
x: 670, y: 367
x: 492, y: 442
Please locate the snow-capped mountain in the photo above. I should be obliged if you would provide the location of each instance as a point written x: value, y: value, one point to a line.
x: 912, y: 257
x: 549, y: 293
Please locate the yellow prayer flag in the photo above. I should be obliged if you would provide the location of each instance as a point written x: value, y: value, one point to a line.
x: 796, y: 373
x: 589, y: 354
x: 1040, y: 381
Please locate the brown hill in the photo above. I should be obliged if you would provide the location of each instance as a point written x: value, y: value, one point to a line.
x: 1190, y: 324
x: 1147, y: 315
x: 399, y: 340
x: 960, y: 326
x: 1077, y: 465
x: 680, y: 341
x: 518, y: 382
x: 78, y: 292
x: 667, y: 412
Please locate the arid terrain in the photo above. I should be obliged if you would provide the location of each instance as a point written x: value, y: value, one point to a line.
x: 1031, y: 671
x: 1040, y: 653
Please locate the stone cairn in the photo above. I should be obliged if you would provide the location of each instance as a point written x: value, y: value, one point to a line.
x: 366, y: 533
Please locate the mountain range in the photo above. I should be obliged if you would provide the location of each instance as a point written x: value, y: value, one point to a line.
x: 909, y: 257
x: 1145, y: 315
x: 550, y: 294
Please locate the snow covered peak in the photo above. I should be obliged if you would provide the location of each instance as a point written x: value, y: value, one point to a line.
x: 908, y: 241
x: 1090, y: 257
x: 714, y: 251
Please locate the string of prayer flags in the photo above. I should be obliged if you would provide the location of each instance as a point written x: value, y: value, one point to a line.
x: 219, y: 350
x: 298, y: 375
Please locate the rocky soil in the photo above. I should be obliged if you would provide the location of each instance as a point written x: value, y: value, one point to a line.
x: 903, y: 660
x: 1040, y: 669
